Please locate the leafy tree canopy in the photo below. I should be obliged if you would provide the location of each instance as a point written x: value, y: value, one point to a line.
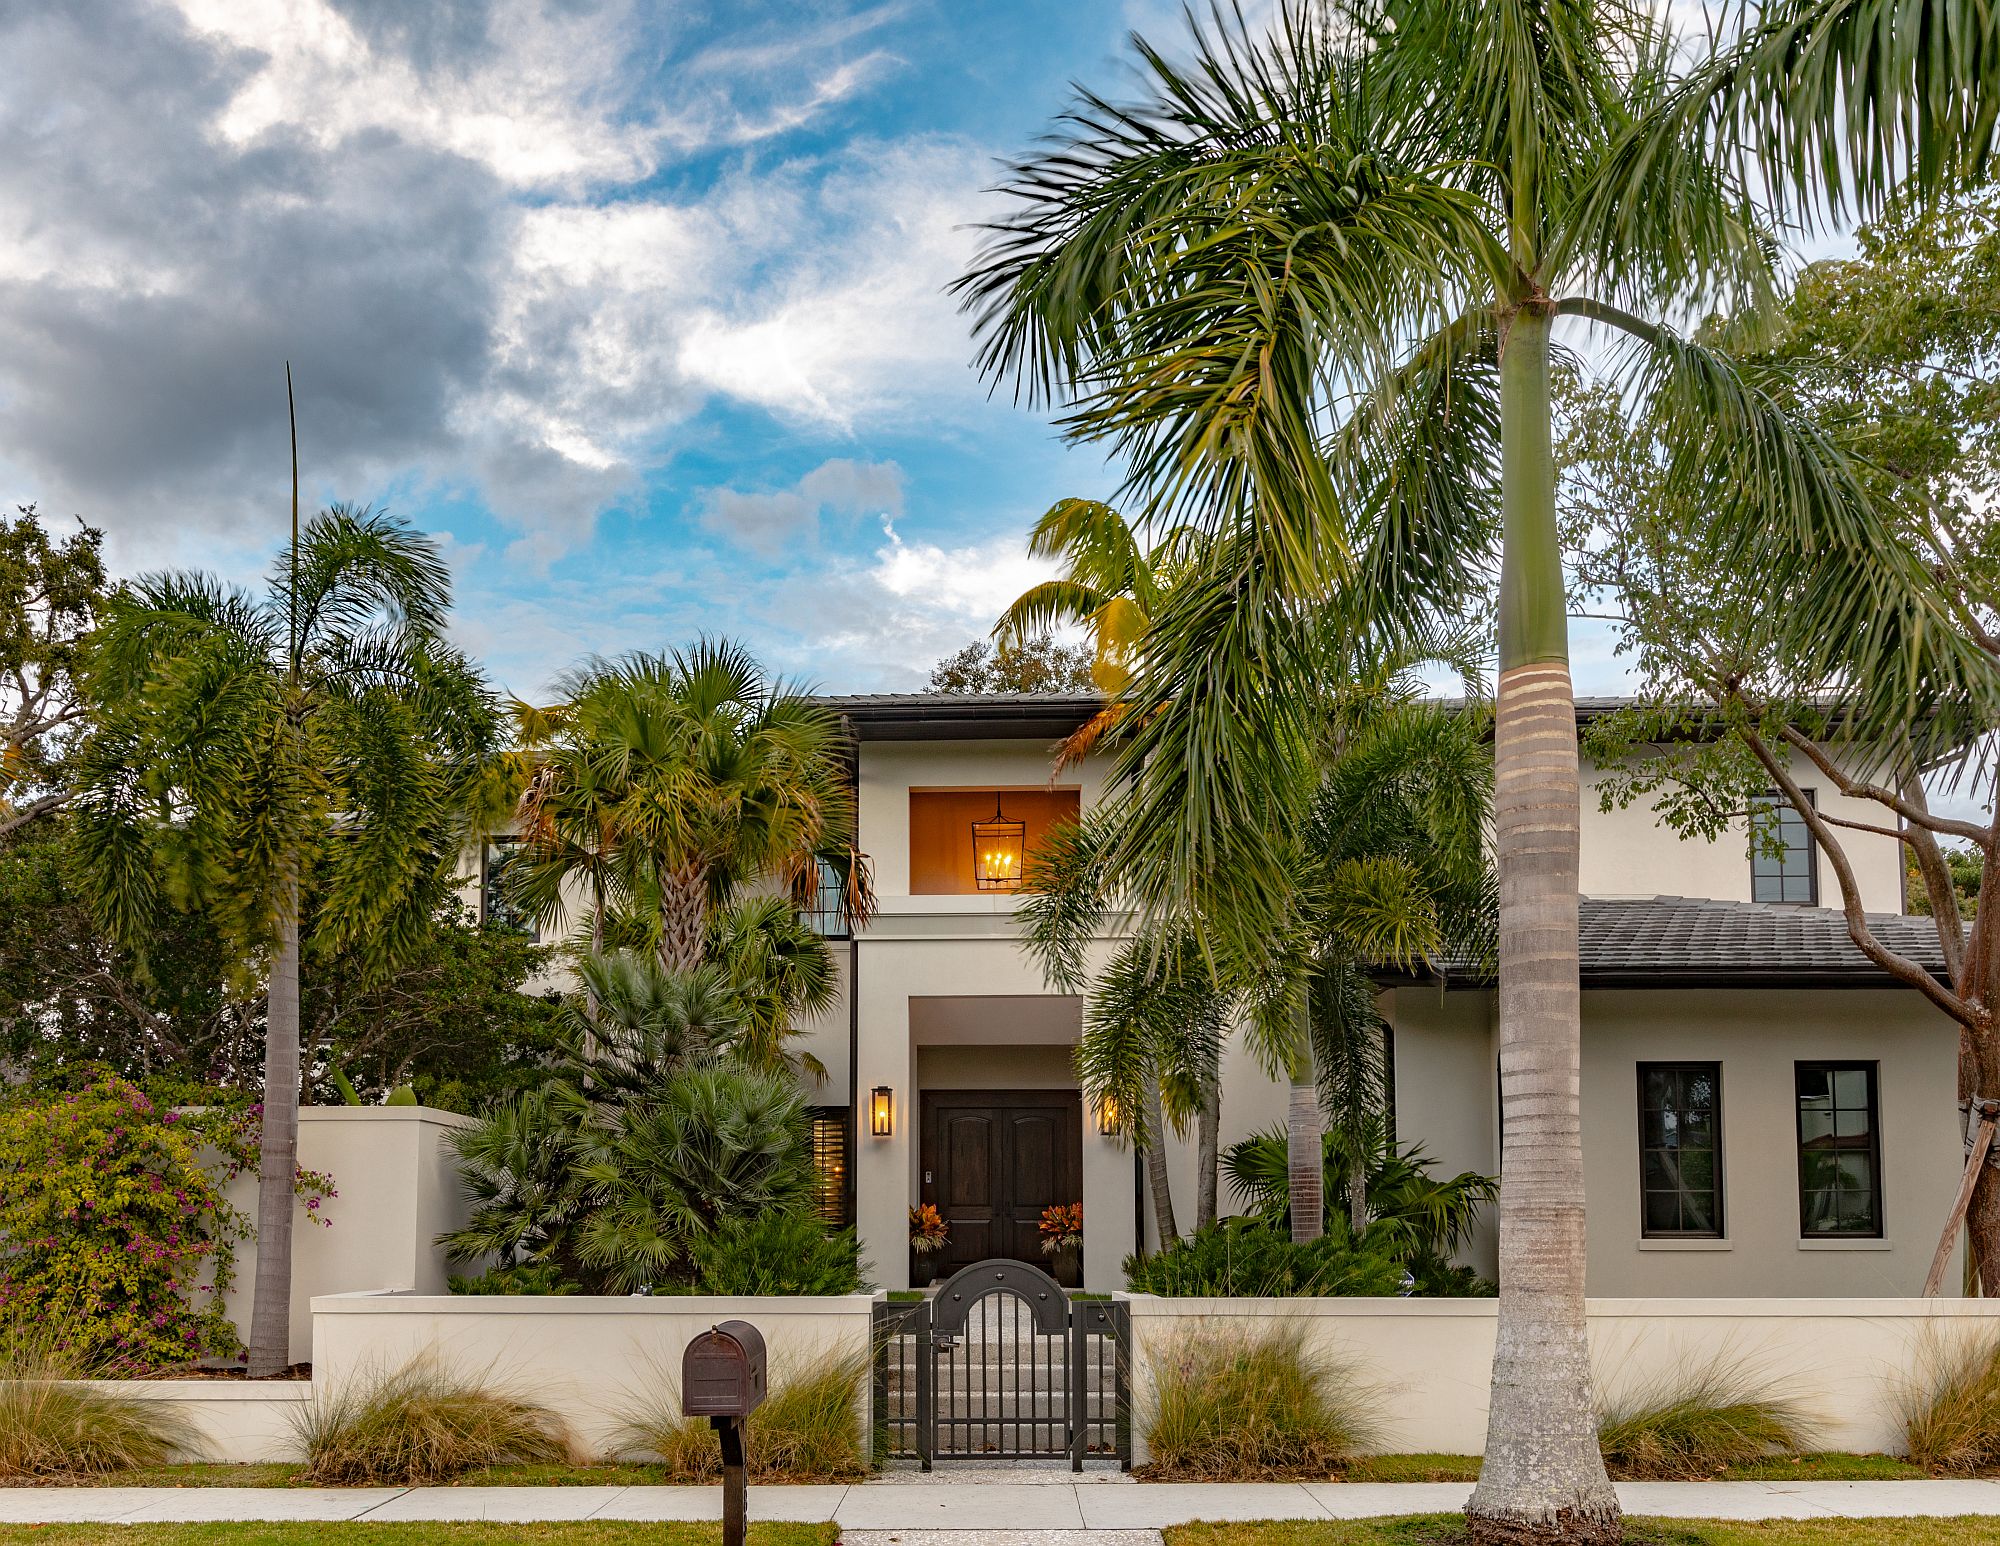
x: 51, y: 589
x: 1038, y: 665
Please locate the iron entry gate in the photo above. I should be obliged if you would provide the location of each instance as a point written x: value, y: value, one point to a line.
x: 1001, y: 1365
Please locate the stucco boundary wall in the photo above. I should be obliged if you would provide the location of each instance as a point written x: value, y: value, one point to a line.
x: 589, y: 1359
x: 1428, y: 1360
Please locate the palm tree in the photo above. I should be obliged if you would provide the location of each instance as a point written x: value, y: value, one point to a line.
x: 322, y: 742
x: 670, y: 781
x: 1307, y: 288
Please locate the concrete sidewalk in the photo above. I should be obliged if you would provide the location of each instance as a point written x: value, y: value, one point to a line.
x: 994, y: 1509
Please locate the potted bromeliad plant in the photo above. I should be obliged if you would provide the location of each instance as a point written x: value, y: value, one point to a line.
x: 929, y: 1233
x: 1062, y: 1241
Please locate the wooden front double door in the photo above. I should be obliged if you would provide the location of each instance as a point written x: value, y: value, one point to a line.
x: 992, y: 1160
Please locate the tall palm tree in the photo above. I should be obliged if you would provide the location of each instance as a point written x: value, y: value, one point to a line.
x: 1308, y: 287
x: 670, y: 781
x: 319, y: 741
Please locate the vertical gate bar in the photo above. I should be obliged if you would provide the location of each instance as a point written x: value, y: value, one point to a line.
x: 926, y: 1357
x: 1076, y: 1374
x: 1121, y: 1325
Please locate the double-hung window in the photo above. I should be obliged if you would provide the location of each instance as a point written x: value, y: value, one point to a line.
x: 1783, y: 864
x: 1840, y: 1151
x: 1680, y: 1150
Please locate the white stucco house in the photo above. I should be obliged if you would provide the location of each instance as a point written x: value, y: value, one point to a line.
x: 1765, y: 1113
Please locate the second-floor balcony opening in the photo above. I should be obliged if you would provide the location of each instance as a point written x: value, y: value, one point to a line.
x: 945, y: 856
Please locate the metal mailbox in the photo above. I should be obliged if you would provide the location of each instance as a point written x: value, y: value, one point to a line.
x: 722, y: 1372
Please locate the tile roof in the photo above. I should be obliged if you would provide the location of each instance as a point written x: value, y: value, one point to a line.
x: 1669, y: 941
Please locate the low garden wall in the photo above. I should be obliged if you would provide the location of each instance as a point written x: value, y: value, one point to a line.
x: 232, y: 1420
x: 1430, y: 1358
x: 589, y: 1359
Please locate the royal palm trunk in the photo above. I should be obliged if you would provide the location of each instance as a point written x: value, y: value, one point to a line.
x: 277, y: 1154
x: 1543, y: 1476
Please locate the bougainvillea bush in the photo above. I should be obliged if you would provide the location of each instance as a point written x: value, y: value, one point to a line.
x: 116, y: 1232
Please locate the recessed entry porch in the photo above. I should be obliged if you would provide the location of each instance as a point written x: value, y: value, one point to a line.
x: 1000, y: 1132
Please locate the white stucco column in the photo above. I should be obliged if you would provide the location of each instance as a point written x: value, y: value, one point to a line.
x: 882, y: 1165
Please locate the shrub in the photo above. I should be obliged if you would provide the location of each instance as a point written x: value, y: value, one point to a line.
x: 50, y: 1427
x: 421, y: 1425
x: 112, y: 1224
x: 1692, y: 1422
x: 528, y: 1277
x: 807, y: 1430
x: 1249, y: 1257
x: 791, y: 1252
x: 1951, y: 1408
x: 1233, y: 1405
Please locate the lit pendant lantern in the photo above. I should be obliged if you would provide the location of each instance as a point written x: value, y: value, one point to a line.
x: 996, y: 851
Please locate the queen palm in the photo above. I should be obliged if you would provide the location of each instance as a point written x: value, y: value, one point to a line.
x: 1307, y: 289
x: 318, y: 743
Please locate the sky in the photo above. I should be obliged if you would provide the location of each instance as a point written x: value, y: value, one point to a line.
x: 639, y: 308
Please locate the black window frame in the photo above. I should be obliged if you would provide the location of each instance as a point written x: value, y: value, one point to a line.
x: 827, y: 917
x: 522, y: 923
x: 1719, y: 1211
x: 1778, y: 798
x: 1872, y: 1070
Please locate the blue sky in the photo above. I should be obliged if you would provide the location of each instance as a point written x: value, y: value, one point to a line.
x: 639, y: 307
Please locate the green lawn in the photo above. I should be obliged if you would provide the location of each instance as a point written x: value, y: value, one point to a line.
x: 588, y: 1533
x: 1782, y: 1468
x: 1448, y: 1530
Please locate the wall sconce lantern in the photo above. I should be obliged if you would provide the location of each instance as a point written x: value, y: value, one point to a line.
x: 996, y: 851
x: 882, y: 1111
x: 1107, y: 1116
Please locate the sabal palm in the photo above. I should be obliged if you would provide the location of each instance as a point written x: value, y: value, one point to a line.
x: 673, y: 780
x: 1307, y: 289
x: 322, y: 741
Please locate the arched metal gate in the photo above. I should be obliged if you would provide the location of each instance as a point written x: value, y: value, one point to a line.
x: 1002, y: 1365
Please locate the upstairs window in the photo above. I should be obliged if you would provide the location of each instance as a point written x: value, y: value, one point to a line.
x: 495, y: 905
x: 1840, y: 1151
x: 1783, y: 866
x: 826, y: 915
x: 1680, y: 1150
x: 942, y: 842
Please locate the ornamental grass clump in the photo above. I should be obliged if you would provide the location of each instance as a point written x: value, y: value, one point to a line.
x: 807, y: 1430
x: 421, y: 1425
x: 1238, y: 1405
x: 1691, y: 1423
x: 1951, y: 1406
x: 55, y: 1423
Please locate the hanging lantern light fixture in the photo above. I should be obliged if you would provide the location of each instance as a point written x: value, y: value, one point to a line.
x: 997, y: 847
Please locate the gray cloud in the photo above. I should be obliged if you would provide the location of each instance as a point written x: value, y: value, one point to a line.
x: 769, y: 522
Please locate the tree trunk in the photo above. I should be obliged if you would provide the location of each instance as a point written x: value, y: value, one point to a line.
x: 1357, y: 1189
x: 278, y: 1155
x: 1982, y: 1218
x: 1157, y: 1179
x: 1208, y: 1153
x: 1543, y: 1476
x: 683, y: 912
x: 1305, y: 1132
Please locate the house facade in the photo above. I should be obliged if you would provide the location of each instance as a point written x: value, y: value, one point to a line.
x: 1764, y: 1112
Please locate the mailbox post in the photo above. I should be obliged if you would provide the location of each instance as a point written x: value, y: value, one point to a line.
x: 722, y: 1379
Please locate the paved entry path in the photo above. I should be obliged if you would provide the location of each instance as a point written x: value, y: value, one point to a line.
x: 988, y: 1507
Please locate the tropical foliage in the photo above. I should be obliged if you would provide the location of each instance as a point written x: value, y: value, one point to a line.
x: 120, y: 1241
x: 807, y: 1430
x: 789, y: 1251
x: 1305, y: 289
x: 1042, y: 664
x: 668, y: 783
x: 1421, y: 1219
x: 1250, y: 1258
x: 247, y: 755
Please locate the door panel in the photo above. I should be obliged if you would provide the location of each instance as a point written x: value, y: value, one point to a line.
x: 992, y: 1161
